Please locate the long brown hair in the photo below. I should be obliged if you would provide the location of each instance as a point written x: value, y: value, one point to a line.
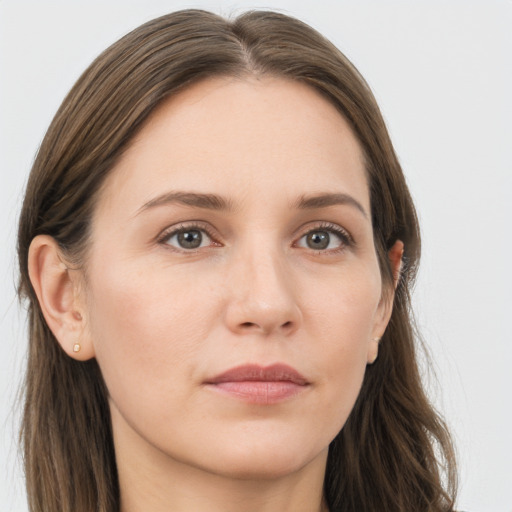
x: 394, y: 452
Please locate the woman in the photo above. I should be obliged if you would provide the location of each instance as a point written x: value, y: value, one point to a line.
x: 217, y: 246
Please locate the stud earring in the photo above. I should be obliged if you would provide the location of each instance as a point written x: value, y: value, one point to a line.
x: 77, y: 347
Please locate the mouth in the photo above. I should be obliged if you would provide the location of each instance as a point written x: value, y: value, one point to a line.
x: 263, y: 385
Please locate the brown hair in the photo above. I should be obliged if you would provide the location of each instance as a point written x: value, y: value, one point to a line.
x: 394, y: 449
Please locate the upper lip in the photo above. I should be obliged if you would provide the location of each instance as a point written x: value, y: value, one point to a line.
x: 253, y: 372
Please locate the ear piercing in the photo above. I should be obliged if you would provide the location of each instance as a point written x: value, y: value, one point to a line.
x: 377, y: 340
x: 77, y: 347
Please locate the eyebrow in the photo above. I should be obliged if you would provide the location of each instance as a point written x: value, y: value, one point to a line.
x: 219, y: 203
x: 207, y: 201
x: 326, y: 200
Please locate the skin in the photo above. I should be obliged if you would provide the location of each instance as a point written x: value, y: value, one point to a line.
x: 162, y: 319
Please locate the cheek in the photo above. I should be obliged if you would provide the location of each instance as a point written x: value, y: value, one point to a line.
x: 341, y: 317
x: 343, y: 306
x: 147, y: 327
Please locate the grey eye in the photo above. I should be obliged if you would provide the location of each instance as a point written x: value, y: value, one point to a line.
x: 189, y: 239
x: 320, y: 240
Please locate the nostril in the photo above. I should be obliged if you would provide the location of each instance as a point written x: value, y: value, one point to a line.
x: 250, y: 325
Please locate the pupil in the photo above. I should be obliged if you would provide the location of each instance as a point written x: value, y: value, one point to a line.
x: 318, y: 240
x: 190, y: 239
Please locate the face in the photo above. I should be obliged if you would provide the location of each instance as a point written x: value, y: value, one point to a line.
x: 232, y: 286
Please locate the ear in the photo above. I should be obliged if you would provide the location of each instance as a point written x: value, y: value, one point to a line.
x: 59, y: 292
x: 386, y: 303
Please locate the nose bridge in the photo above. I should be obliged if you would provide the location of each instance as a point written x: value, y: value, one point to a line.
x: 268, y: 275
x: 263, y: 292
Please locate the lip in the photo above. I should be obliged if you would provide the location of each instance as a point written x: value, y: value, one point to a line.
x: 257, y: 384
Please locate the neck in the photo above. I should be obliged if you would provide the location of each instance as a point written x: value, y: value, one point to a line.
x: 186, y: 490
x: 151, y: 480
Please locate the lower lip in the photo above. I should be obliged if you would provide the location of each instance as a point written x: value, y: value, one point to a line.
x: 259, y: 392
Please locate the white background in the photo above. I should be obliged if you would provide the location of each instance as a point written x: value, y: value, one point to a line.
x: 442, y: 73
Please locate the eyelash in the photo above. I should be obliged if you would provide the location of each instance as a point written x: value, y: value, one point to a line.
x: 346, y: 239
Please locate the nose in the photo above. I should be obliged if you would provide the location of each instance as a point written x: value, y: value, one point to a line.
x: 262, y: 296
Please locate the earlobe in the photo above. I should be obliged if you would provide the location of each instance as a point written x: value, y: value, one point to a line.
x: 373, y: 350
x: 57, y: 291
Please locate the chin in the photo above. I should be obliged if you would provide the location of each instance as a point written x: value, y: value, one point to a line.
x: 266, y: 461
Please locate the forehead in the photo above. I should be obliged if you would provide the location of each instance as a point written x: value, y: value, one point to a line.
x: 241, y: 137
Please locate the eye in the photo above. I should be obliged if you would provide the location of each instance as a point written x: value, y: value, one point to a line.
x: 188, y: 238
x: 325, y: 238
